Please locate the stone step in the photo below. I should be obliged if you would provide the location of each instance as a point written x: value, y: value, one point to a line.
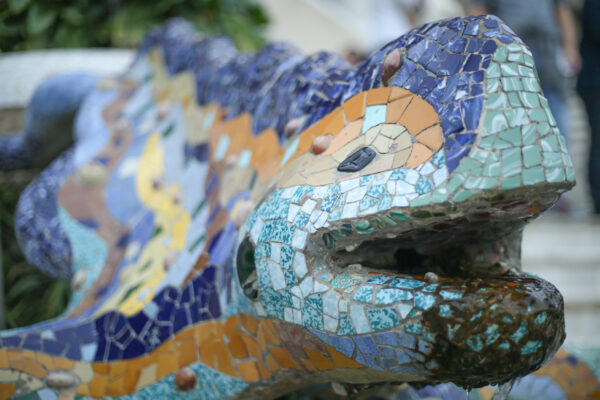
x: 566, y: 252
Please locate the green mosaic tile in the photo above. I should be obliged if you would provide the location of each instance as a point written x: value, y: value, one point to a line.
x: 531, y: 156
x: 570, y: 174
x: 516, y: 57
x: 421, y: 200
x: 549, y: 143
x: 551, y: 119
x: 480, y: 156
x: 526, y: 71
x: 493, y: 71
x: 481, y: 182
x: 517, y: 117
x: 529, y: 134
x: 512, y: 83
x: 514, y: 47
x: 512, y: 182
x: 528, y: 59
x: 456, y: 181
x: 567, y: 160
x: 502, y: 144
x: 496, y: 101
x: 534, y: 175
x: 469, y: 165
x: 492, y: 85
x: 537, y: 115
x: 439, y: 195
x: 501, y: 54
x: 463, y: 195
x: 555, y: 175
x: 552, y: 159
x: 487, y: 143
x: 509, y: 69
x: 492, y: 169
x: 495, y: 121
x: 531, y: 84
x: 511, y: 162
x: 562, y: 143
x: 543, y: 128
x: 529, y: 100
x: 513, y: 99
x: 513, y: 136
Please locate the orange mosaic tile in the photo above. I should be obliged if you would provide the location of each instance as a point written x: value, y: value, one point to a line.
x: 418, y: 156
x: 396, y: 108
x: 418, y: 115
x: 321, y: 361
x: 341, y: 361
x: 117, y: 369
x: 231, y: 325
x: 354, y: 108
x: 7, y: 390
x: 187, y: 352
x: 224, y: 362
x: 115, y: 387
x: 309, y: 365
x: 63, y: 363
x: 262, y: 342
x: 378, y: 96
x: 101, y: 368
x: 98, y: 385
x: 252, y: 346
x: 271, y: 363
x: 348, y: 133
x: 271, y: 335
x: 432, y: 137
x: 166, y: 364
x: 398, y: 92
x: 237, y: 347
x: 282, y: 356
x: 248, y: 370
x: 34, y: 368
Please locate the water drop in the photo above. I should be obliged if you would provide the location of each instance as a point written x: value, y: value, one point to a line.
x: 501, y: 391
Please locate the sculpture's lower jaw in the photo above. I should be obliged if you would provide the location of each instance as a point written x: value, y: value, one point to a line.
x: 498, y: 329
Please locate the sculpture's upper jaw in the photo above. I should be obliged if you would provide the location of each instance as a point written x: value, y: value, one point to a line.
x: 399, y: 243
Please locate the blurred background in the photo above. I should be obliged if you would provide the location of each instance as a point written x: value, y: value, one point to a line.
x: 41, y: 38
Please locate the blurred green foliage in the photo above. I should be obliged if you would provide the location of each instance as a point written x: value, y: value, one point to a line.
x: 36, y: 24
x: 30, y: 296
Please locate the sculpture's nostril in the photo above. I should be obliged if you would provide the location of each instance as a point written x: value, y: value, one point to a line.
x: 357, y: 160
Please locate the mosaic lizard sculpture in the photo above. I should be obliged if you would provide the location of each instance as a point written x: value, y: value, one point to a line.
x: 244, y: 225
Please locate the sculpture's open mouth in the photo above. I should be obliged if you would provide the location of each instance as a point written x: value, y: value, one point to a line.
x: 444, y: 299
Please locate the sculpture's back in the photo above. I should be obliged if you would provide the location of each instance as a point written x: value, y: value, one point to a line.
x: 245, y: 225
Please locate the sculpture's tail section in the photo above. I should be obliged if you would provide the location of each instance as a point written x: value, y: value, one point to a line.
x: 48, y: 122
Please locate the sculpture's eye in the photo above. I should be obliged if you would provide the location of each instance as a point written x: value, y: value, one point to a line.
x: 246, y: 269
x: 357, y: 160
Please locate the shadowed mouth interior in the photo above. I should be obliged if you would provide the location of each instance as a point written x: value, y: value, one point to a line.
x: 468, y: 253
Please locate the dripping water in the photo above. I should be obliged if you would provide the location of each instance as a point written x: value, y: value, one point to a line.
x: 501, y: 391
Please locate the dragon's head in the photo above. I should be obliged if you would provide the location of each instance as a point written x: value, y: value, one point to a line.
x: 393, y: 229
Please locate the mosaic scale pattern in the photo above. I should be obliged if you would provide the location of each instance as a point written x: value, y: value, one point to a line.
x: 242, y: 225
